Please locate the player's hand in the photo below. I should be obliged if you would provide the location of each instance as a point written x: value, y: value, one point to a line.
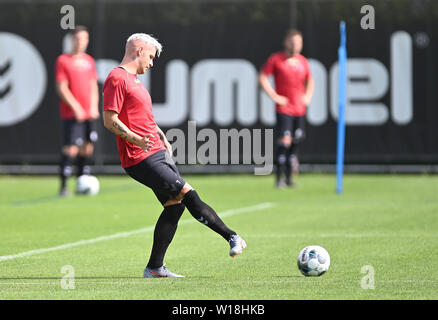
x: 306, y: 100
x: 281, y: 100
x: 80, y: 115
x: 94, y: 114
x: 145, y: 142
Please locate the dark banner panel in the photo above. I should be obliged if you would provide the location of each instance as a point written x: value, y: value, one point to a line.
x: 208, y: 71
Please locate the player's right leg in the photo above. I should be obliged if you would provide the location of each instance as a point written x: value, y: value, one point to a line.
x: 153, y: 172
x: 87, y: 149
x: 292, y: 164
x: 283, y: 145
x: 69, y: 152
x: 284, y: 140
x: 164, y: 232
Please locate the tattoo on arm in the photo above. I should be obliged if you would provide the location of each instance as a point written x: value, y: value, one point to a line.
x: 122, y: 133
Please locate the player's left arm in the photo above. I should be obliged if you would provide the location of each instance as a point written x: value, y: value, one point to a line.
x: 94, y: 90
x: 94, y: 104
x: 165, y: 141
x: 310, y: 87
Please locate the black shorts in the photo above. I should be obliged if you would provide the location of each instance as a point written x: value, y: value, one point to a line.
x: 78, y: 133
x: 290, y: 126
x: 159, y: 173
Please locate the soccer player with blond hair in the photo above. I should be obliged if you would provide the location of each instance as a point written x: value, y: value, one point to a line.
x: 146, y: 155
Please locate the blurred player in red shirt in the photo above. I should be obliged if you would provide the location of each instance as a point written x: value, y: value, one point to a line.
x: 146, y: 155
x: 76, y: 85
x: 292, y: 94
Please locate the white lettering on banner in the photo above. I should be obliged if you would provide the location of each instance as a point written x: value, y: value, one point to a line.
x: 21, y: 92
x: 267, y: 106
x: 231, y: 85
x: 317, y: 111
x: 174, y: 110
x: 401, y: 78
x: 367, y: 80
x: 224, y: 91
x: 104, y: 67
x: 67, y: 44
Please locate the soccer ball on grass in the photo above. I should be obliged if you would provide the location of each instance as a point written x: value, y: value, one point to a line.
x: 87, y: 185
x: 313, y: 261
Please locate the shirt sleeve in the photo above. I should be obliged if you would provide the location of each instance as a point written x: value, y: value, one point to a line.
x: 114, y: 91
x: 60, y: 72
x: 268, y: 67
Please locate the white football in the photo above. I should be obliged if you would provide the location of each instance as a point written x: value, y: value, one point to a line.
x: 313, y: 261
x: 88, y: 185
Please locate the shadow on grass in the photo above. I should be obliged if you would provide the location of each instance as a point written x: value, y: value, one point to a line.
x: 77, y: 278
x: 91, y: 278
x: 56, y: 197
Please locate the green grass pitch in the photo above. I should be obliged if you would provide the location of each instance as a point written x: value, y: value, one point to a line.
x: 389, y: 222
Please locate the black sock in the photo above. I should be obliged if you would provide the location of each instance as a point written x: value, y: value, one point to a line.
x: 163, y: 234
x: 288, y: 165
x: 83, y: 168
x: 293, y: 149
x: 205, y: 214
x: 291, y: 154
x: 281, y: 161
x: 65, y: 169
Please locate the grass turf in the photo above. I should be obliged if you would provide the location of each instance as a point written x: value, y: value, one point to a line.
x: 388, y: 222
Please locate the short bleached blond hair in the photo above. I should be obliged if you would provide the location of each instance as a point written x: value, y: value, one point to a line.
x: 146, y: 38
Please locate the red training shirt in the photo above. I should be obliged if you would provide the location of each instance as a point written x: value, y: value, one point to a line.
x: 290, y: 77
x: 126, y: 95
x: 79, y: 71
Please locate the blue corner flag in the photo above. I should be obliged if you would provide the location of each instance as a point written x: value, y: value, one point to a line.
x: 342, y: 56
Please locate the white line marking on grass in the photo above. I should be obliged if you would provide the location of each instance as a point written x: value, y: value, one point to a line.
x: 226, y: 213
